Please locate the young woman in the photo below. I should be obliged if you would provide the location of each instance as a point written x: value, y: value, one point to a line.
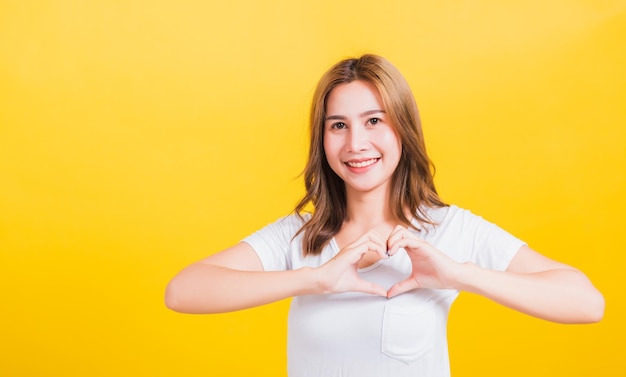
x: 375, y: 267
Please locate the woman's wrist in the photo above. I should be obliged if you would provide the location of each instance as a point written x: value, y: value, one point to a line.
x: 310, y: 281
x: 465, y: 277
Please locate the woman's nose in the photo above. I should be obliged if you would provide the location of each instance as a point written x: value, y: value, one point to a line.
x: 358, y: 139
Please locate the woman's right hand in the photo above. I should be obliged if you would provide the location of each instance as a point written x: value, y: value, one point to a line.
x: 340, y: 273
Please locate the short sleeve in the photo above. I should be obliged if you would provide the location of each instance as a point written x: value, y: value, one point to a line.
x: 493, y: 248
x: 274, y: 243
x: 467, y: 237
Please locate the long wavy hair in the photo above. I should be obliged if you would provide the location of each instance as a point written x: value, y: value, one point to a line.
x: 412, y: 186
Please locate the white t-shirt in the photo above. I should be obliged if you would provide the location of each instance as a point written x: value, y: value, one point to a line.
x: 361, y: 335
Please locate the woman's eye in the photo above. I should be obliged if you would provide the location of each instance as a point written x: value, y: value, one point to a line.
x: 374, y: 121
x: 339, y: 125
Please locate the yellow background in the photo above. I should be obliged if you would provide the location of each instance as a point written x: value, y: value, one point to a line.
x: 137, y: 137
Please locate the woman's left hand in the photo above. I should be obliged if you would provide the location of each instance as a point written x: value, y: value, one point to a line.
x: 430, y: 267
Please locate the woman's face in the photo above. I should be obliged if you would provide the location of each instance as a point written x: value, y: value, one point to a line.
x: 360, y: 143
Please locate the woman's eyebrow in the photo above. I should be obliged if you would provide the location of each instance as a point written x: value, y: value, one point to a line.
x: 335, y: 117
x: 364, y: 114
x: 370, y: 112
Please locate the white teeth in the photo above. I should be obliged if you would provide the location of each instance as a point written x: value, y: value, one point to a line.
x: 362, y: 164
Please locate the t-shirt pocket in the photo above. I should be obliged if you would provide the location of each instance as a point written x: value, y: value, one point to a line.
x: 408, y: 332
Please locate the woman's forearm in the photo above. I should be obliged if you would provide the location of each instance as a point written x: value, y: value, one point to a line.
x: 563, y: 295
x: 205, y: 288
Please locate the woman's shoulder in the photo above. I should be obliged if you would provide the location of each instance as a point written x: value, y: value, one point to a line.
x: 456, y: 219
x: 289, y: 224
x: 295, y: 219
x: 450, y: 213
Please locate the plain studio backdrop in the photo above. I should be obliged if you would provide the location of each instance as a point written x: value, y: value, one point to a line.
x: 137, y: 137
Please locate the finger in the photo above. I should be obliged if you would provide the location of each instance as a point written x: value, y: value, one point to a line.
x: 353, y: 254
x: 401, y: 287
x: 377, y: 248
x: 399, y: 238
x: 396, y: 233
x: 374, y: 236
x: 378, y: 244
x: 407, y: 241
x: 394, y: 236
x: 371, y: 236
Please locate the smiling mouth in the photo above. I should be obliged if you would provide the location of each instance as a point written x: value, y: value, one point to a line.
x: 362, y: 164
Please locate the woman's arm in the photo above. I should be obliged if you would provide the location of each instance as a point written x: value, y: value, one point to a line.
x: 532, y: 284
x: 538, y: 286
x: 234, y: 279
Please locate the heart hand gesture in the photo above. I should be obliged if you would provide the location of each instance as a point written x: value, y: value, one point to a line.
x: 340, y: 274
x: 430, y: 267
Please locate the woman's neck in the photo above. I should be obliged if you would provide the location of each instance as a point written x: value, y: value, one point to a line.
x: 365, y: 212
x: 368, y: 210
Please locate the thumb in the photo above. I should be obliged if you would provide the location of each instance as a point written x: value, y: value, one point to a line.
x: 371, y: 288
x: 405, y: 285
